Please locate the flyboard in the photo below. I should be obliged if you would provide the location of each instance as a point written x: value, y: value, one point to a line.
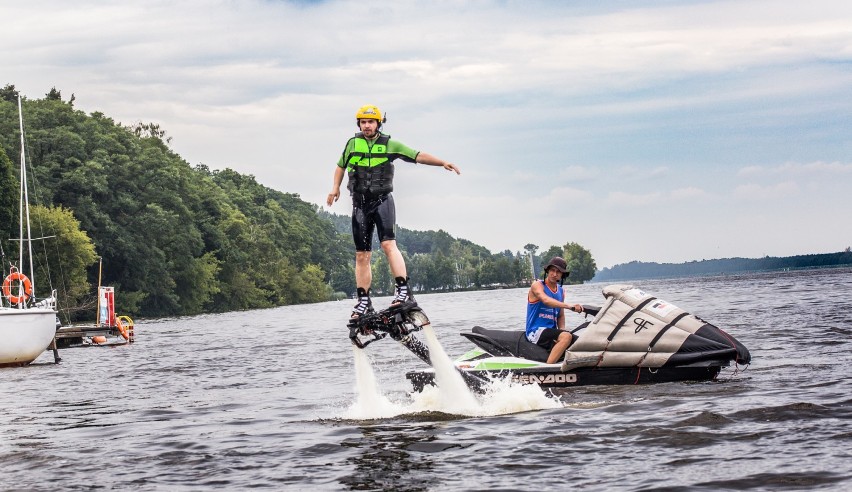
x: 400, y: 322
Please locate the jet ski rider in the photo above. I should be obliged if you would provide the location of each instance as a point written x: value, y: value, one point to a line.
x: 545, y: 315
x: 368, y: 159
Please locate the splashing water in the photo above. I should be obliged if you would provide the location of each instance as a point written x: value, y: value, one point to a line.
x: 455, y: 396
x: 502, y: 396
x: 451, y: 396
x: 371, y: 402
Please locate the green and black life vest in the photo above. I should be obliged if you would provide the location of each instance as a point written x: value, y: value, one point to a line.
x: 369, y: 166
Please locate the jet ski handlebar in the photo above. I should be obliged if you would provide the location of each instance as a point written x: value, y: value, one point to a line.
x: 591, y: 310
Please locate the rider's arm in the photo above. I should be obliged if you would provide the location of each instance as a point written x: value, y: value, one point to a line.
x: 339, y: 172
x: 537, y: 292
x: 335, y: 189
x: 424, y: 158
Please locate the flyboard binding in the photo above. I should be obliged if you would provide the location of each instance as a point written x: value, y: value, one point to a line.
x: 398, y: 321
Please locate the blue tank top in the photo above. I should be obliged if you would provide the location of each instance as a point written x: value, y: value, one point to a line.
x: 541, y: 317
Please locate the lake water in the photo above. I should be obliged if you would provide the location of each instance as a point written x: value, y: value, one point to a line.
x: 278, y: 399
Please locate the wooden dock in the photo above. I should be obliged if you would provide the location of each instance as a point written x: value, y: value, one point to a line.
x: 73, y: 336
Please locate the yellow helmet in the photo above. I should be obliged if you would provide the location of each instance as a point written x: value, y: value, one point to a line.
x: 370, y: 112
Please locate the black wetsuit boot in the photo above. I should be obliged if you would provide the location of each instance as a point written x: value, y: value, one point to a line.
x: 364, y: 306
x: 403, y: 299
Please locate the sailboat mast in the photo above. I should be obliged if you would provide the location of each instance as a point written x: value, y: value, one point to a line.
x: 24, y: 209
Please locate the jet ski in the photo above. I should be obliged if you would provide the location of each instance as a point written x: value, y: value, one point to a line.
x: 634, y: 338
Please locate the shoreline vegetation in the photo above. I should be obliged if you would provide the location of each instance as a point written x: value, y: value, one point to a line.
x: 178, y: 239
x: 637, y: 270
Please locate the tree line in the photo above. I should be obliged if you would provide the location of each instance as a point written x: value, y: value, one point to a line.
x: 438, y: 262
x: 640, y: 270
x: 176, y: 239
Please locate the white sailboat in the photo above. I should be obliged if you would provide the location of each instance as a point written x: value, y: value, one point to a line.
x: 27, y: 325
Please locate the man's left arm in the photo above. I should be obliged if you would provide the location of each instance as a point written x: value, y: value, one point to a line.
x: 431, y: 160
x: 406, y: 153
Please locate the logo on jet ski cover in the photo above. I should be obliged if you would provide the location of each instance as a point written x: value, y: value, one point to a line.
x: 641, y: 324
x: 544, y: 378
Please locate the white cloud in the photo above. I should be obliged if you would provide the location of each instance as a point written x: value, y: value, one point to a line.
x: 650, y: 93
x: 751, y: 171
x: 689, y: 193
x: 754, y: 192
x: 810, y: 171
x: 623, y: 199
x: 578, y: 174
x: 561, y: 196
x: 524, y: 176
x: 645, y: 173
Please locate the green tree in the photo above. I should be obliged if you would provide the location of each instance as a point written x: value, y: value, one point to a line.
x: 9, y: 94
x: 53, y: 95
x: 342, y: 278
x: 441, y: 242
x: 547, y: 255
x: 9, y: 192
x: 66, y: 251
x: 530, y: 250
x: 551, y: 252
x: 382, y: 278
x: 443, y: 273
x: 306, y: 288
x: 199, y: 282
x: 420, y: 270
x: 580, y: 263
x: 504, y: 269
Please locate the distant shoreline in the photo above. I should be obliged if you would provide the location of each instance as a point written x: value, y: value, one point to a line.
x: 637, y: 270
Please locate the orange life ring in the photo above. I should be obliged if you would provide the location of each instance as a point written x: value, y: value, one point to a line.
x: 121, y: 328
x: 22, y: 279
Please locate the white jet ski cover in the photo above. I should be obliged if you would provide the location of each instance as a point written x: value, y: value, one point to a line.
x: 636, y: 329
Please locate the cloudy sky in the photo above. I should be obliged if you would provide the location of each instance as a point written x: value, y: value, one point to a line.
x: 663, y: 131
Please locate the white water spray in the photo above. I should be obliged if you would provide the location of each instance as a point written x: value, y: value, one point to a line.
x: 451, y: 395
x: 455, y: 396
x: 371, y: 402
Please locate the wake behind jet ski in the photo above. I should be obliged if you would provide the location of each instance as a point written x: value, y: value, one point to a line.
x: 634, y: 338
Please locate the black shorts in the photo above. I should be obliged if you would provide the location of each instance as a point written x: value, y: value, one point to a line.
x: 372, y: 214
x: 548, y: 337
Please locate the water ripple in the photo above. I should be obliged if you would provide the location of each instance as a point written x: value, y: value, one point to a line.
x: 257, y: 400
